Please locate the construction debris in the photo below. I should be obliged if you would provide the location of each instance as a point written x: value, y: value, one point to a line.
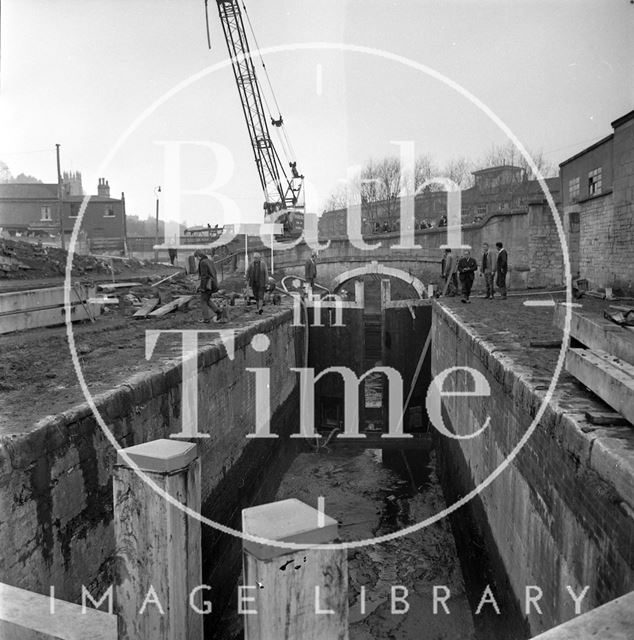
x: 179, y: 303
x: 147, y: 307
x: 21, y: 260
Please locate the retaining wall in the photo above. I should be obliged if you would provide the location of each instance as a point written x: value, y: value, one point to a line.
x: 561, y: 513
x: 56, y: 479
x: 529, y: 236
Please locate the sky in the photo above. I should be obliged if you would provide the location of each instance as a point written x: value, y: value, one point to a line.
x: 102, y: 80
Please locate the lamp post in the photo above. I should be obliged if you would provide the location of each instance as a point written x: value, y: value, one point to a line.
x: 157, y: 190
x: 59, y: 199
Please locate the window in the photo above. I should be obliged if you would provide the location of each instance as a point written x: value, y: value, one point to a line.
x: 46, y: 214
x: 108, y: 212
x: 482, y: 210
x: 573, y: 189
x: 74, y: 210
x: 594, y: 182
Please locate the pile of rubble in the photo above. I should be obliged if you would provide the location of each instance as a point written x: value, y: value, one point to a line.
x: 26, y: 260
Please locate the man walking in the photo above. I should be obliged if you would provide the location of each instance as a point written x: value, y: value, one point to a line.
x: 467, y: 267
x: 450, y: 279
x: 501, y: 269
x: 488, y: 269
x: 257, y: 278
x: 310, y: 270
x: 208, y: 285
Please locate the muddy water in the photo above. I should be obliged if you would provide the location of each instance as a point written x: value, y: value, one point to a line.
x: 370, y: 500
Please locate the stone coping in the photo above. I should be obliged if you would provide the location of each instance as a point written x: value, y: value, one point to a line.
x: 609, y: 451
x: 611, y: 621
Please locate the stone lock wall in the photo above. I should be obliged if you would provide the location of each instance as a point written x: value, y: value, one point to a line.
x: 561, y: 512
x: 56, y: 479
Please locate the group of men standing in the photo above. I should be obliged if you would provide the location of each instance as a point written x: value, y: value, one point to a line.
x: 493, y: 267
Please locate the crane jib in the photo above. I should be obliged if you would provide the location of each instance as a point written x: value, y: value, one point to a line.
x: 281, y: 192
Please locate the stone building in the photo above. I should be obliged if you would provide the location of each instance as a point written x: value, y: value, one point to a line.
x: 496, y: 190
x: 598, y: 189
x: 32, y: 209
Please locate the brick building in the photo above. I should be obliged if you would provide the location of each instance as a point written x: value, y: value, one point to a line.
x: 598, y: 189
x: 32, y: 208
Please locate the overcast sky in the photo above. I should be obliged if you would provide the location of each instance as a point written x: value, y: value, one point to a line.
x: 80, y: 72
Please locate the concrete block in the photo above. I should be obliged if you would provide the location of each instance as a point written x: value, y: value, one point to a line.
x: 25, y: 615
x: 612, y: 621
x: 160, y: 456
x: 285, y: 521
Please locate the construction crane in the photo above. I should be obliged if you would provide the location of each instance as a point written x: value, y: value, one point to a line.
x: 283, y: 194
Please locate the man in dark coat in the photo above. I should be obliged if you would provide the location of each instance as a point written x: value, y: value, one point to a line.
x: 257, y: 278
x: 310, y: 270
x: 467, y: 267
x: 501, y: 269
x: 208, y: 285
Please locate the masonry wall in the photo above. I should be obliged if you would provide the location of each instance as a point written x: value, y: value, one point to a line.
x: 597, y: 240
x: 622, y: 256
x: 560, y: 513
x: 530, y: 238
x: 56, y: 480
x: 545, y: 253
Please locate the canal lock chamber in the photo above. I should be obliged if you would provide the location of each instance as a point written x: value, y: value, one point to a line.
x: 374, y: 487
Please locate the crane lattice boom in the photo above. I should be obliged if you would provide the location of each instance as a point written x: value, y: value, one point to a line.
x: 280, y: 192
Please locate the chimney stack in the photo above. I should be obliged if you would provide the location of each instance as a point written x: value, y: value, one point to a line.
x: 103, y: 188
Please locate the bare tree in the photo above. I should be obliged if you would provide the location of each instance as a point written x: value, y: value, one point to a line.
x: 7, y: 177
x: 5, y: 172
x: 509, y: 154
x: 424, y: 170
x: 459, y: 170
x: 341, y: 197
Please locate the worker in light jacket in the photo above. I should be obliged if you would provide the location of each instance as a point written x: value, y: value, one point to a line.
x: 257, y: 279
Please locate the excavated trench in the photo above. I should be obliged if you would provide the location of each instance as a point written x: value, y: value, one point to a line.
x: 376, y: 492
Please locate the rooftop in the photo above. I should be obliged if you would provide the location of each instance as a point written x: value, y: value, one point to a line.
x: 27, y: 190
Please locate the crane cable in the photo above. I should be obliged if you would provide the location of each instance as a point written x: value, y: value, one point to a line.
x: 207, y: 24
x: 289, y: 151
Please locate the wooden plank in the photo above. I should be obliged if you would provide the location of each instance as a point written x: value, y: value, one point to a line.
x: 596, y: 333
x: 113, y: 286
x: 610, y: 378
x: 25, y: 615
x: 171, y: 306
x: 183, y: 301
x: 147, y: 307
x: 605, y: 417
